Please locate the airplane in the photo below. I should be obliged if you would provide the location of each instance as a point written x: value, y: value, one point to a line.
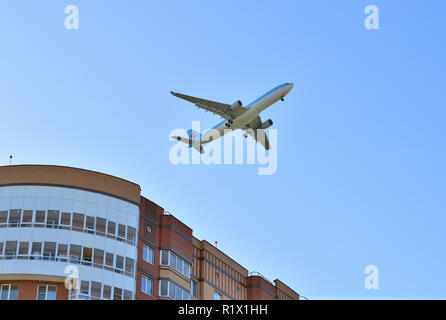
x: 235, y: 117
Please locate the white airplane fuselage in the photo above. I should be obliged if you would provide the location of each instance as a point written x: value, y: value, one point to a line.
x: 254, y: 110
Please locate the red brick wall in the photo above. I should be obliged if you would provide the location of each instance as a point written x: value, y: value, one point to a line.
x: 167, y: 232
x: 260, y: 289
x: 176, y: 236
x: 28, y: 289
x: 150, y: 215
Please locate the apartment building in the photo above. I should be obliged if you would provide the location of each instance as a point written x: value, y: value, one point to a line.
x: 70, y: 234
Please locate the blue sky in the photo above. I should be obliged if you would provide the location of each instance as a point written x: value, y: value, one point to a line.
x: 361, y: 138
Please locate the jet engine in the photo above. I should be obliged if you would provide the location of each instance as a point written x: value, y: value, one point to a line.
x: 268, y: 123
x: 236, y: 104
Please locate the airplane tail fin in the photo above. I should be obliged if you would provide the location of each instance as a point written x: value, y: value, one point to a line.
x: 193, y: 135
x: 193, y: 140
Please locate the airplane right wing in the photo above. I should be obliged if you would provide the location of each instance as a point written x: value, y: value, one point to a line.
x: 222, y: 109
x: 255, y: 130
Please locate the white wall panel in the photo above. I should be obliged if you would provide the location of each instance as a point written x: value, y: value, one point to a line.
x: 68, y: 200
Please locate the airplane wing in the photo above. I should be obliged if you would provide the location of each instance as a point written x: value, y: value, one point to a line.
x: 257, y: 133
x: 221, y: 109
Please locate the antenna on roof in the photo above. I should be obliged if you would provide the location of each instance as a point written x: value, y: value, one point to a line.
x: 10, y: 159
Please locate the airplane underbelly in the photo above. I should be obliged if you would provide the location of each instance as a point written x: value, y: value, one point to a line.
x: 213, y: 134
x: 244, y: 119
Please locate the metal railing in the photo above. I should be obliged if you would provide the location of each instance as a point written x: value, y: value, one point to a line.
x: 71, y: 259
x: 83, y: 296
x: 79, y: 294
x: 258, y: 274
x: 56, y: 225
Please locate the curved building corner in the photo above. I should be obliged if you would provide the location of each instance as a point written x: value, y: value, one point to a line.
x: 61, y: 223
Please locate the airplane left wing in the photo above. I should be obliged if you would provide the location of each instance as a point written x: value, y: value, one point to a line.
x: 222, y: 109
x: 255, y: 130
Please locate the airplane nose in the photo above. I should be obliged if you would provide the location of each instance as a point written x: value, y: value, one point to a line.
x: 288, y: 87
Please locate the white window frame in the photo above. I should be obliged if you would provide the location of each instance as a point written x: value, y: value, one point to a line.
x: 152, y: 251
x: 9, y: 290
x: 193, y: 284
x: 69, y: 225
x: 177, y: 257
x: 13, y: 256
x: 54, y: 225
x: 23, y: 223
x: 174, y: 287
x: 147, y: 279
x: 46, y: 291
x: 7, y: 218
x: 43, y: 224
x: 20, y: 218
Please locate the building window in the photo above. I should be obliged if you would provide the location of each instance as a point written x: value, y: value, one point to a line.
x: 85, y: 290
x: 149, y: 229
x: 46, y: 292
x: 40, y: 218
x: 62, y: 252
x: 52, y: 220
x: 164, y: 257
x: 92, y: 291
x: 129, y: 266
x: 87, y: 256
x: 96, y: 290
x: 170, y: 290
x: 109, y: 258
x: 117, y: 293
x: 3, y: 218
x: 98, y: 258
x: 10, y: 250
x: 23, y: 249
x: 147, y: 254
x: 14, y: 218
x: 164, y: 288
x: 65, y: 220
x: 194, y: 288
x: 175, y: 262
x: 217, y: 296
x: 111, y: 229
x: 128, y: 295
x: 78, y: 222
x: 100, y: 226
x: 119, y: 264
x: 18, y: 218
x: 89, y: 225
x: 147, y: 285
x: 75, y: 253
x: 52, y: 251
x: 27, y: 218
x: 121, y: 232
x: 49, y: 250
x: 131, y: 235
x: 107, y: 292
x: 36, y: 250
x: 9, y: 292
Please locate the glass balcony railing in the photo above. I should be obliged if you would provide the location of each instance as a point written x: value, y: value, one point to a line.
x: 71, y: 259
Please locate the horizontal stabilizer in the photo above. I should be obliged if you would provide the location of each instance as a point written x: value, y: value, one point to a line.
x: 198, y: 147
x: 194, y: 144
x: 184, y: 140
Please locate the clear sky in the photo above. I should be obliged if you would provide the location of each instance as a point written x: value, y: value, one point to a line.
x: 361, y: 176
